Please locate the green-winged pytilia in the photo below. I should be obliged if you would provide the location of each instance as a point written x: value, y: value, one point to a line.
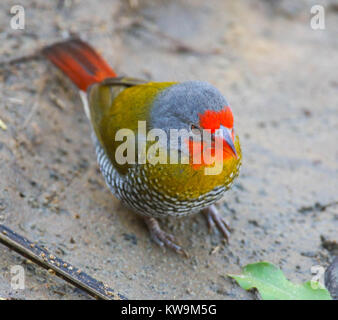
x: 154, y: 184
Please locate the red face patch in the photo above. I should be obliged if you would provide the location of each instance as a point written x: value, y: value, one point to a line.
x: 214, y: 119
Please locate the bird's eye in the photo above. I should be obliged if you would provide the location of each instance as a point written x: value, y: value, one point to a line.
x: 195, y: 129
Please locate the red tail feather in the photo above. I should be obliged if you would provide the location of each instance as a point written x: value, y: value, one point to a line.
x: 79, y: 61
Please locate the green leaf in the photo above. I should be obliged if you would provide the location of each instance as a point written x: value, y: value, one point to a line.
x: 271, y: 283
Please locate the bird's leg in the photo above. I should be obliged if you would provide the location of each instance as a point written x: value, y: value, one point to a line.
x: 161, y: 237
x: 215, y: 219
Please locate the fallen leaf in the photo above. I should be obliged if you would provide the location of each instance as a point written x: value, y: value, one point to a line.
x: 271, y: 283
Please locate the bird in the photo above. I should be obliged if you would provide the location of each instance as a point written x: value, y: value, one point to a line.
x: 149, y: 184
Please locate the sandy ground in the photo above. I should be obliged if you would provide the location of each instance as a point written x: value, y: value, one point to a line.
x: 280, y: 77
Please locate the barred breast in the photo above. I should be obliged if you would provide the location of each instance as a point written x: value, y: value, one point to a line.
x: 146, y: 196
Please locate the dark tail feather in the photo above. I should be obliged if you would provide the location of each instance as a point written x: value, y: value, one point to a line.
x: 79, y: 61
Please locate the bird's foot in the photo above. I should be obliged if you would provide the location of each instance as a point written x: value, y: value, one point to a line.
x: 161, y: 237
x: 215, y: 219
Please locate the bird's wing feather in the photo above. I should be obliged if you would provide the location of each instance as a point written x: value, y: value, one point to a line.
x: 121, y: 104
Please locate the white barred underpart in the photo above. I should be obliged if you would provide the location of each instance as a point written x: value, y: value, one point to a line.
x: 133, y: 189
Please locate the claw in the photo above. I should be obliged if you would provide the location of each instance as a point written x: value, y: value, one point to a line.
x: 211, y: 223
x: 214, y: 219
x: 163, y: 239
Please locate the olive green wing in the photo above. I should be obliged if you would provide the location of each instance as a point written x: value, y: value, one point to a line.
x: 119, y: 104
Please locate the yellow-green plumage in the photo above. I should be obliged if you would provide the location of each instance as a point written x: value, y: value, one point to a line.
x: 115, y: 106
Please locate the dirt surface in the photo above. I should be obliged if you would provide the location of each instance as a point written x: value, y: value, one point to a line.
x: 280, y: 77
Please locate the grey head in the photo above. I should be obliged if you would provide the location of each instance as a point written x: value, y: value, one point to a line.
x: 179, y: 106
